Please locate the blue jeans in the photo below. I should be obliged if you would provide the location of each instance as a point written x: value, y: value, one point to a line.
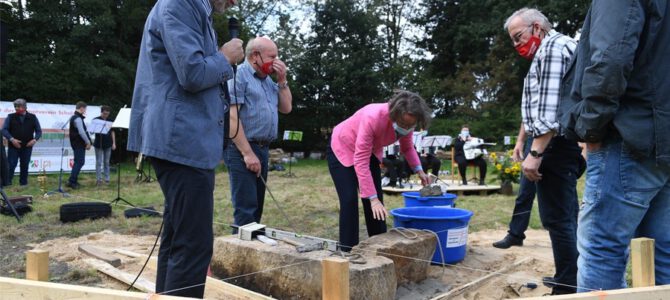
x: 79, y: 159
x: 557, y: 203
x: 523, y: 204
x: 102, y: 156
x: 625, y: 197
x: 13, y: 157
x: 187, y: 238
x: 248, y: 191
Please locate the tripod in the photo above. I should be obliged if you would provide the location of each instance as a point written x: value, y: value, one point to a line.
x: 290, y: 162
x: 60, y: 173
x: 118, y: 188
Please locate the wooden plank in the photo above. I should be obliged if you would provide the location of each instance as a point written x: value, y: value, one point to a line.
x: 214, y: 288
x: 480, y: 281
x: 642, y: 262
x: 335, y: 279
x: 127, y: 278
x: 37, y: 265
x: 98, y: 253
x: 19, y: 289
x: 643, y: 293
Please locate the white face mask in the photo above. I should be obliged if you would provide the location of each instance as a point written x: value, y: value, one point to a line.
x: 464, y: 134
x: 401, y: 132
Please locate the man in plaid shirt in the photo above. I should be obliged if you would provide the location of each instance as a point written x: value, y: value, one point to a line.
x: 553, y: 161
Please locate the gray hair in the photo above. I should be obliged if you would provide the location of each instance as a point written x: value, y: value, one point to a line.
x: 405, y: 102
x: 530, y: 16
x: 20, y: 102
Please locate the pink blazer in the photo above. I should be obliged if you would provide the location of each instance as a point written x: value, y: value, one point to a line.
x: 366, y: 133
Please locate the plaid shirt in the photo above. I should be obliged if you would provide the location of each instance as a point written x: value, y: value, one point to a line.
x: 540, y: 100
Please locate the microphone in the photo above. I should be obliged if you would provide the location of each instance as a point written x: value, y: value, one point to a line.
x: 233, y: 28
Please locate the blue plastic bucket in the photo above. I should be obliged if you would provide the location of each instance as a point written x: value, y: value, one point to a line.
x: 450, y: 224
x: 414, y: 199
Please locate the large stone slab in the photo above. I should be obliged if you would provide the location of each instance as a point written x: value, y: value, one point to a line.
x: 283, y: 273
x: 410, y: 249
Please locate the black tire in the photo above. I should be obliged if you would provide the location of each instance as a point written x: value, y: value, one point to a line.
x: 73, y: 212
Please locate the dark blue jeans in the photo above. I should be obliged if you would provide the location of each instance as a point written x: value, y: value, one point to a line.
x: 557, y: 202
x: 346, y: 184
x: 248, y: 191
x: 523, y: 204
x: 79, y: 159
x: 187, y: 238
x: 13, y: 157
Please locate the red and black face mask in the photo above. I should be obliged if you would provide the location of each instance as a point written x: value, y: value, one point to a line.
x: 528, y: 49
x: 266, y: 67
x: 20, y: 110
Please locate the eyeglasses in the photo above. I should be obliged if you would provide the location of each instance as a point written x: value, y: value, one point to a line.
x: 517, y: 36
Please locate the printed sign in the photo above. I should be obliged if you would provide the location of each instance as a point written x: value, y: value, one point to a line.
x: 457, y: 237
x: 54, y: 120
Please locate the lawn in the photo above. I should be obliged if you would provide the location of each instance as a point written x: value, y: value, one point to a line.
x: 308, y: 201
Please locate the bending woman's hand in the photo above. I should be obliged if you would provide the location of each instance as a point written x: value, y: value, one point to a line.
x: 378, y: 210
x: 425, y: 180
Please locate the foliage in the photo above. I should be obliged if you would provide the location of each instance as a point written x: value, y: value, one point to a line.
x: 506, y: 169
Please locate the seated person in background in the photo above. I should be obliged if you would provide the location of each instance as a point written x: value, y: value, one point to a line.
x: 393, y: 171
x: 459, y: 156
x: 429, y: 161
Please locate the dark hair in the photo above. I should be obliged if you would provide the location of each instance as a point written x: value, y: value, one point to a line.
x: 81, y: 104
x: 405, y: 102
x: 465, y: 126
x: 105, y: 108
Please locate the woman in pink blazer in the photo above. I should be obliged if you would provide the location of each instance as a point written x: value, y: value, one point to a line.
x: 354, y: 154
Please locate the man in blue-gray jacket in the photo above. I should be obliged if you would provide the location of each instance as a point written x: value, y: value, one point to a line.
x: 616, y: 98
x: 177, y: 119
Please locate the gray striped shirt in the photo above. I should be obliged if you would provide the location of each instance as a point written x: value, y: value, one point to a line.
x: 258, y: 99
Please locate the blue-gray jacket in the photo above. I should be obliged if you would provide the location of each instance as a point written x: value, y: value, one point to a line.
x: 178, y: 106
x: 619, y: 78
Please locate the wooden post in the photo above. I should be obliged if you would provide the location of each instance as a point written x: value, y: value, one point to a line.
x: 642, y: 262
x: 335, y: 279
x: 37, y: 265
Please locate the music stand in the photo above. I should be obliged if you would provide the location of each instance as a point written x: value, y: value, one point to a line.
x: 122, y: 122
x: 290, y: 135
x: 60, y: 190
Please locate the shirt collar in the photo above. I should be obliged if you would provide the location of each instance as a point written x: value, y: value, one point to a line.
x: 208, y: 7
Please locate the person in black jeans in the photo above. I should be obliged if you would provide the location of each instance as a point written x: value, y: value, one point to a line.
x: 80, y: 142
x: 430, y: 161
x: 22, y: 130
x: 524, y: 199
x: 459, y: 157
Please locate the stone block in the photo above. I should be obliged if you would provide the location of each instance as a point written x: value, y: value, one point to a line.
x: 411, y: 251
x: 283, y: 273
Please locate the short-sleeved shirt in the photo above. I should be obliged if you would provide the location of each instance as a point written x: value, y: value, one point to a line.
x: 258, y: 99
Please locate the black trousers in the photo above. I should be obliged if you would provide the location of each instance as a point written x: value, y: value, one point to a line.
x: 346, y: 184
x: 524, y: 203
x: 187, y: 238
x: 463, y: 166
x: 431, y: 162
x: 557, y: 203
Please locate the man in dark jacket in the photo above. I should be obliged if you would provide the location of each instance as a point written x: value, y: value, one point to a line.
x: 80, y: 142
x: 617, y: 99
x: 22, y: 130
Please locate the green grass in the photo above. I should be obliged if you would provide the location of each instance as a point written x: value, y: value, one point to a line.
x: 309, y: 200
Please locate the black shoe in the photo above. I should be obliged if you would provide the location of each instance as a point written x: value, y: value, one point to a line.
x: 562, y: 290
x: 72, y: 186
x: 507, y: 242
x: 482, y: 182
x: 549, y: 282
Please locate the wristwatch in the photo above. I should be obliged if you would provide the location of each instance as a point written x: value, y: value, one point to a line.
x: 536, y: 154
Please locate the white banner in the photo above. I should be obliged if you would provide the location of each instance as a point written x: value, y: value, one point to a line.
x: 55, y: 139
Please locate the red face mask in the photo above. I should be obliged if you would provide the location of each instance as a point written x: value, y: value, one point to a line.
x: 266, y: 67
x: 528, y: 49
x: 20, y: 110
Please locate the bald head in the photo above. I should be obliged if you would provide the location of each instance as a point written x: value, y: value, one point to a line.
x: 260, y: 44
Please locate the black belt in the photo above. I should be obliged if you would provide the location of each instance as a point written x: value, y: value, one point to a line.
x: 261, y: 143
